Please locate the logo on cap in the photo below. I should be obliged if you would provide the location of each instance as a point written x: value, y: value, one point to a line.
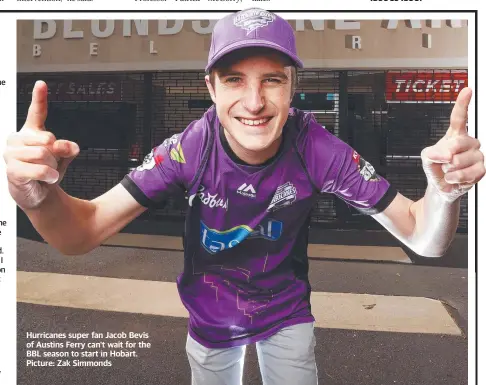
x: 253, y: 19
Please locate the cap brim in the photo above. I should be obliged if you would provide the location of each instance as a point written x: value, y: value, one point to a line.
x: 252, y: 43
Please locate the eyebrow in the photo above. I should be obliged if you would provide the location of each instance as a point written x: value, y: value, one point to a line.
x: 224, y: 73
x: 275, y: 74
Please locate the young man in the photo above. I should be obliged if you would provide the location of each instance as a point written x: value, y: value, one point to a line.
x: 251, y: 168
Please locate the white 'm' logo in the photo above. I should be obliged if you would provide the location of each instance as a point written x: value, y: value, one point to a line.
x: 247, y: 190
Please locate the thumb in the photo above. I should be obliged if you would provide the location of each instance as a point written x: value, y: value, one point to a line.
x: 459, y: 113
x: 436, y: 154
x: 65, y: 151
x: 37, y: 113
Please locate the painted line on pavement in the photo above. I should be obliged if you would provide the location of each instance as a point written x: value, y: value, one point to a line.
x: 331, y: 310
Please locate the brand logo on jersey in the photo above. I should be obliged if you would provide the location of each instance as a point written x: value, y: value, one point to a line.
x: 285, y: 195
x: 177, y: 154
x: 247, y: 190
x: 253, y: 19
x: 215, y: 241
x: 150, y: 161
x: 211, y: 200
x: 366, y: 170
x: 171, y: 141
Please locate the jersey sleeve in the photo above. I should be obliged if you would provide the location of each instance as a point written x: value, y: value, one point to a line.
x: 168, y: 169
x: 336, y: 168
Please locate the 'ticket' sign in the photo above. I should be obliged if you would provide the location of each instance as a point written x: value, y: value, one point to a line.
x: 424, y: 86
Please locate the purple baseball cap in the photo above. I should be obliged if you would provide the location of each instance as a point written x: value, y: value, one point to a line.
x: 252, y: 27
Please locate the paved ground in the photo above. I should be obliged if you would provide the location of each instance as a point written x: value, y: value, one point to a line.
x: 167, y: 235
x: 344, y: 356
x: 351, y: 354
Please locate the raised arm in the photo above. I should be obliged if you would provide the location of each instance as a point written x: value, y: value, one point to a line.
x: 452, y: 166
x: 36, y: 163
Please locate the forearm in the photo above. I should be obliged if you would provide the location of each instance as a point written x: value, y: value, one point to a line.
x: 75, y: 226
x: 427, y: 226
x: 64, y: 221
x: 452, y: 167
x: 436, y: 223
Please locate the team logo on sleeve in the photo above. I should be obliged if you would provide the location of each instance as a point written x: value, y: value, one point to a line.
x: 171, y: 141
x: 150, y: 161
x: 177, y: 154
x: 253, y: 19
x: 285, y: 195
x: 366, y: 170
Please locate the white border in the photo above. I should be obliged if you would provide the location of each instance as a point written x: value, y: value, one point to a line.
x: 234, y: 5
x: 8, y: 363
x: 8, y: 239
x: 471, y: 331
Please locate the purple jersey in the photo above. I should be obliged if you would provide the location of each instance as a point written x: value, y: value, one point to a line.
x: 245, y: 247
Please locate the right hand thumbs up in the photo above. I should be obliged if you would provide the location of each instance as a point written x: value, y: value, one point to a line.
x: 35, y: 158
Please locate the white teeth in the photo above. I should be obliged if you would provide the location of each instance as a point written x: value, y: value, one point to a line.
x: 254, y: 122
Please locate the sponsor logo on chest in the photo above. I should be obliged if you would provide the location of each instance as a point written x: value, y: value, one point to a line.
x: 215, y: 241
x: 210, y: 200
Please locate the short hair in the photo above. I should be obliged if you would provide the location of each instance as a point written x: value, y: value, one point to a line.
x: 228, y: 60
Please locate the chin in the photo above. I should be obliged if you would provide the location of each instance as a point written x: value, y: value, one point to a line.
x: 255, y: 143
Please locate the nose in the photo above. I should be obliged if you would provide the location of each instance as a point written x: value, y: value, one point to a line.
x: 253, y: 99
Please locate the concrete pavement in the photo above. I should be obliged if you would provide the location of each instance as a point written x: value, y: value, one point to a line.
x: 318, y: 251
x: 331, y: 310
x: 379, y: 323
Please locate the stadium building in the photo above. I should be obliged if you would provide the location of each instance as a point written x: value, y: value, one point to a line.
x: 119, y: 88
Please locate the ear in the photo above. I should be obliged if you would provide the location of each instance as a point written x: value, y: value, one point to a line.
x: 294, y: 82
x: 210, y: 89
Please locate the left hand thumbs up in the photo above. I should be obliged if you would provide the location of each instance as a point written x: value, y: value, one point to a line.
x: 458, y: 123
x: 455, y: 163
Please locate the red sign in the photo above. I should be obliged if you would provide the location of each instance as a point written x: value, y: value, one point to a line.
x: 77, y: 90
x: 424, y: 86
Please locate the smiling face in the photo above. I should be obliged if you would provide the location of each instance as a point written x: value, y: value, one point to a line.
x: 252, y: 91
